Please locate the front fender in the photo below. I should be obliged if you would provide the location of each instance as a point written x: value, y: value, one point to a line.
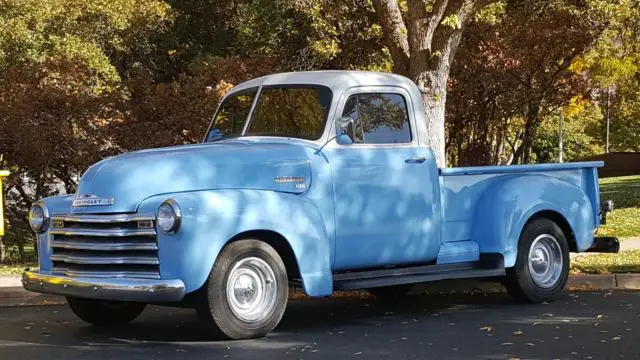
x: 211, y: 218
x: 507, y: 205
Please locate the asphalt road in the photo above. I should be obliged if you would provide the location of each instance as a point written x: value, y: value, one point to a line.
x: 478, y: 326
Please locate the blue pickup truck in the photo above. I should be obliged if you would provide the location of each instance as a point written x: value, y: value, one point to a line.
x: 320, y: 180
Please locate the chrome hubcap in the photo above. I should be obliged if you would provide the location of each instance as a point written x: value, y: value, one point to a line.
x: 251, y: 289
x: 545, y: 261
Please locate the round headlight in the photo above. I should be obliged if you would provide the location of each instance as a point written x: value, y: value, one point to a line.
x: 38, y: 218
x: 169, y: 216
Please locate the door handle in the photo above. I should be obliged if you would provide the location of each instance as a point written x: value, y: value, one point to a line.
x: 415, y: 160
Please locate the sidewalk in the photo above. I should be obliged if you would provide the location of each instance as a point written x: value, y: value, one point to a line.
x: 627, y: 244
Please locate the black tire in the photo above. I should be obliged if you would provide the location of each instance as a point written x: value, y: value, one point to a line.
x: 214, y: 308
x: 105, y: 313
x: 519, y: 280
x: 391, y: 294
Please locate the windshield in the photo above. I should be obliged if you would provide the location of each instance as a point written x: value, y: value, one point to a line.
x: 231, y: 116
x: 285, y: 111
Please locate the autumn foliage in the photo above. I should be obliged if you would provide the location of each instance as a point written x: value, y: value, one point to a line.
x: 81, y: 80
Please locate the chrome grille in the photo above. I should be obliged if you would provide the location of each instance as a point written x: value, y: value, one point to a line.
x: 113, y: 245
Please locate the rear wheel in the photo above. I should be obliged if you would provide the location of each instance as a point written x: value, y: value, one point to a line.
x: 542, y: 263
x: 105, y: 313
x: 246, y: 293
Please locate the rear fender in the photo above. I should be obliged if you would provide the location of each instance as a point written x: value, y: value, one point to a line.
x: 211, y: 218
x: 507, y: 205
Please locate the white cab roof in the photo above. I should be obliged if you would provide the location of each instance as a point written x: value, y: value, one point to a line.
x: 336, y: 80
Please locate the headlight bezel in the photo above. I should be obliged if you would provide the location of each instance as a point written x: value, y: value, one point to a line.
x: 177, y: 216
x: 45, y: 217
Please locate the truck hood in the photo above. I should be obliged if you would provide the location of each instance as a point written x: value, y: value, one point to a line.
x: 130, y: 178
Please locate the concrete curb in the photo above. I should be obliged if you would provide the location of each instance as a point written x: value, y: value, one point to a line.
x: 575, y: 283
x: 17, y: 296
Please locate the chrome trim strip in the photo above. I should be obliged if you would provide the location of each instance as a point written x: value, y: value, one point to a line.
x: 107, y: 274
x: 104, y: 219
x: 105, y: 260
x: 102, y: 246
x: 103, y: 232
x: 142, y: 290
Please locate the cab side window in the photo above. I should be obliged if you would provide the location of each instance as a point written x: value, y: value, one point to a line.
x: 378, y: 118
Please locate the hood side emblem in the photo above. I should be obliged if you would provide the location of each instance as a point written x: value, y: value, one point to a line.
x: 289, y: 179
x: 92, y: 200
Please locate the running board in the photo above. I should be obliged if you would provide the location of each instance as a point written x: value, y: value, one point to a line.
x: 417, y: 274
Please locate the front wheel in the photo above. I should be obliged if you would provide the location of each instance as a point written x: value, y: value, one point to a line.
x: 542, y: 263
x: 105, y: 313
x: 246, y: 293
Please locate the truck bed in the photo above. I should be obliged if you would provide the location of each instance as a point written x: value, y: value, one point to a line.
x: 462, y: 189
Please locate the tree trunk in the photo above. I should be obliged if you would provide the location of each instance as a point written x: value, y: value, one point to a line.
x: 499, y: 150
x: 2, y: 251
x: 533, y: 113
x: 21, y: 252
x: 423, y: 46
x: 434, y: 114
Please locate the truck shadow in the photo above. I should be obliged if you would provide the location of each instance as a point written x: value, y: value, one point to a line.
x: 303, y: 318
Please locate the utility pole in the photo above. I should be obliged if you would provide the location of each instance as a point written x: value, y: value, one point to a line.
x: 606, y: 149
x: 560, y: 144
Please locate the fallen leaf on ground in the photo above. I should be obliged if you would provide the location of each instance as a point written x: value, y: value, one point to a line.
x: 518, y: 332
x: 486, y: 328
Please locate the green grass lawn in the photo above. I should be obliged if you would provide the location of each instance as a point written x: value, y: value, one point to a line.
x: 624, y: 262
x: 13, y: 265
x: 624, y: 221
x: 15, y: 269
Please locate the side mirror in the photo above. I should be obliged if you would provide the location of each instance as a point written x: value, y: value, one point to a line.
x: 342, y: 137
x: 343, y: 124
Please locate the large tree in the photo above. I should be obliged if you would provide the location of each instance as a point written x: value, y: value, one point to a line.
x: 510, y: 75
x: 422, y: 40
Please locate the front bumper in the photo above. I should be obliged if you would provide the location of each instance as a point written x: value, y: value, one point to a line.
x: 139, y: 290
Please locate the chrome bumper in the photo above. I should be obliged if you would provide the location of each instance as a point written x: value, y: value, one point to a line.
x: 140, y: 290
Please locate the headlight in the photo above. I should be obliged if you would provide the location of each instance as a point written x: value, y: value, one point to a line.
x: 38, y: 217
x: 169, y: 216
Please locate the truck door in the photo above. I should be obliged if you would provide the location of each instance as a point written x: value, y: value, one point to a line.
x: 385, y: 186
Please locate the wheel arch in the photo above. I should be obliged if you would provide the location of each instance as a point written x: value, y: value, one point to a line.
x: 559, y: 220
x: 279, y: 243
